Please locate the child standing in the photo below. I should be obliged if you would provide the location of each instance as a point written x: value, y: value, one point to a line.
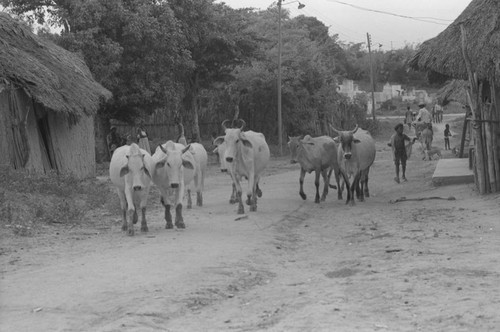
x: 447, y: 135
x: 399, y: 150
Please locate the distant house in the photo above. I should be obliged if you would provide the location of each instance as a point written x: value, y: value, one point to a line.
x: 48, y: 99
x: 349, y: 88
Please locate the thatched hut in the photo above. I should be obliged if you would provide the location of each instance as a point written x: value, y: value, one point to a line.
x: 48, y: 99
x: 469, y: 49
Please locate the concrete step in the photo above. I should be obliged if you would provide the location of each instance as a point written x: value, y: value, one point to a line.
x: 452, y: 171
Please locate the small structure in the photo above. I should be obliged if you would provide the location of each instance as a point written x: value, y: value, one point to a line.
x: 48, y: 99
x: 468, y: 49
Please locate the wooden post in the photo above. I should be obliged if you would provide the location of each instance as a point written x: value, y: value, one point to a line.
x: 371, y: 75
x: 473, y: 103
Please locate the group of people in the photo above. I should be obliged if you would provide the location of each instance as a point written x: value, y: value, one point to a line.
x: 115, y: 140
x: 399, y: 139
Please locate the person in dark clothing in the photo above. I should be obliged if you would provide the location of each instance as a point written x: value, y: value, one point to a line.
x: 447, y: 135
x: 399, y: 150
x: 114, y: 140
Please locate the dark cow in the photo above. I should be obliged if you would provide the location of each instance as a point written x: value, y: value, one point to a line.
x: 318, y: 154
x: 356, y: 154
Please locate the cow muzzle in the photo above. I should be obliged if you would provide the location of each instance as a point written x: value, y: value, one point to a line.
x: 293, y: 161
x: 223, y: 170
x: 347, y: 156
x: 229, y: 159
x: 137, y: 188
x: 174, y: 185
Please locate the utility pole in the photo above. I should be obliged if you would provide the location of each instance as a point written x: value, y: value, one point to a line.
x: 280, y: 121
x: 371, y: 74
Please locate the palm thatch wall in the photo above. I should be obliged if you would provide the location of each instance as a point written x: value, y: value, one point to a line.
x: 469, y: 49
x: 48, y: 99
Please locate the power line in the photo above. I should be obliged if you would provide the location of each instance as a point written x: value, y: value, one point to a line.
x: 421, y: 19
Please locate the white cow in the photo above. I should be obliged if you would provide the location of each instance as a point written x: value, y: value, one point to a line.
x: 200, y: 168
x: 130, y: 172
x: 173, y: 169
x: 356, y: 154
x: 221, y: 151
x: 247, y: 155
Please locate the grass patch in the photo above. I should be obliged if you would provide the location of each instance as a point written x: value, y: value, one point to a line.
x: 29, y: 200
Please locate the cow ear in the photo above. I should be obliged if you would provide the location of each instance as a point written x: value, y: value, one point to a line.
x: 146, y: 171
x: 124, y: 171
x: 187, y: 164
x: 355, y: 140
x: 246, y: 143
x: 219, y: 140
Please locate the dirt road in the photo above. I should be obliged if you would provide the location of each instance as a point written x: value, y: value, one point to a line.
x: 430, y: 265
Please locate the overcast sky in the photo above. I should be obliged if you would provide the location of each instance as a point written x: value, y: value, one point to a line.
x: 424, y: 18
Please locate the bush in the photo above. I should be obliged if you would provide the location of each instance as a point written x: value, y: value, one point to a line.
x: 27, y: 199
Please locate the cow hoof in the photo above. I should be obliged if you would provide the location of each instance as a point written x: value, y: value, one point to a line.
x: 199, y: 203
x: 316, y: 201
x: 253, y: 208
x: 361, y: 199
x: 241, y: 211
x: 232, y: 201
x: 131, y: 232
x: 189, y: 207
x: 259, y: 193
x: 169, y: 225
x: 180, y: 224
x: 144, y: 229
x: 124, y: 227
x: 303, y: 196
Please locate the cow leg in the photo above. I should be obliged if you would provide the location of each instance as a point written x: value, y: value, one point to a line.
x: 253, y: 198
x: 347, y: 186
x: 179, y: 221
x: 233, y: 199
x: 132, y: 214
x: 355, y: 186
x: 144, y: 225
x: 365, y: 183
x: 136, y: 217
x: 301, y: 182
x: 190, y: 202
x: 168, y: 216
x: 316, y: 184
x: 326, y: 180
x: 123, y: 205
x: 241, y: 209
x: 340, y: 188
x: 258, y: 191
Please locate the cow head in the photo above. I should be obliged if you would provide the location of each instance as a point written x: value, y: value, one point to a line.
x: 346, y: 139
x: 136, y: 167
x: 235, y: 140
x: 172, y: 160
x: 221, y: 151
x: 295, y: 144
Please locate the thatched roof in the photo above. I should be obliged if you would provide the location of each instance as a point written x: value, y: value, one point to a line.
x: 54, y: 77
x: 453, y: 90
x: 443, y: 54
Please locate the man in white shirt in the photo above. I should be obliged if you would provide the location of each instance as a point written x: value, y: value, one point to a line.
x: 424, y: 115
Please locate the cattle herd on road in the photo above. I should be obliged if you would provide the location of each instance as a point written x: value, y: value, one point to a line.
x: 177, y: 168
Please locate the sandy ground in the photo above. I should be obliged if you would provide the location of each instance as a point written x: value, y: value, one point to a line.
x: 430, y: 265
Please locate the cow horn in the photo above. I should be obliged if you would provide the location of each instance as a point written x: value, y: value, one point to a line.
x: 186, y: 149
x: 224, y: 124
x: 335, y: 130
x: 355, y: 129
x: 163, y: 149
x: 243, y: 123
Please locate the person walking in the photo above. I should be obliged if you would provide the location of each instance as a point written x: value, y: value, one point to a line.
x: 408, y: 117
x: 142, y: 139
x: 447, y: 135
x: 398, y: 146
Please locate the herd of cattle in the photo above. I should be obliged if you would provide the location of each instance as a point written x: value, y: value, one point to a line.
x: 178, y: 168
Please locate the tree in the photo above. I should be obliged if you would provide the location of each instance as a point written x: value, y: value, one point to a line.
x: 218, y: 41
